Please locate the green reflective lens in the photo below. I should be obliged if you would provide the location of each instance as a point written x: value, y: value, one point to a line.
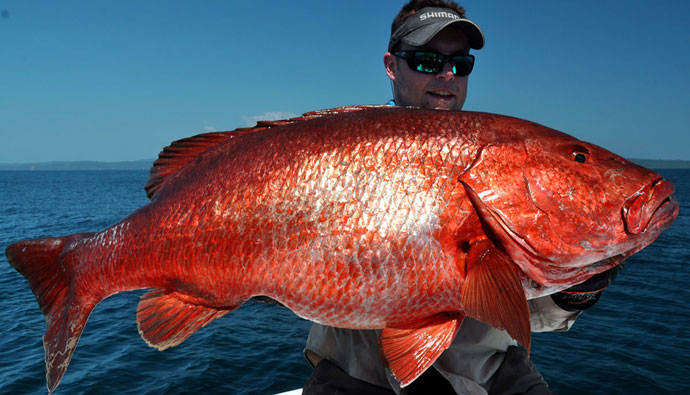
x: 432, y: 62
x: 427, y: 62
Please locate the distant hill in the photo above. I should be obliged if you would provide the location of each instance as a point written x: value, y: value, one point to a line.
x: 145, y: 164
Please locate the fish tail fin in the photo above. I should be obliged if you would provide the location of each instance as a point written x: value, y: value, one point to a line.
x: 51, y: 279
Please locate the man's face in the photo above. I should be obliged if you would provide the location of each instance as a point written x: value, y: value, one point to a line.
x: 443, y: 90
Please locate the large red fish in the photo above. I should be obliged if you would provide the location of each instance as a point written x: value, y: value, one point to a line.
x: 381, y: 217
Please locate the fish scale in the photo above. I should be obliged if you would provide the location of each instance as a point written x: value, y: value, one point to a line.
x: 404, y: 220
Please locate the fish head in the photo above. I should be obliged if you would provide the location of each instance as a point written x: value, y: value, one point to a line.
x: 563, y: 209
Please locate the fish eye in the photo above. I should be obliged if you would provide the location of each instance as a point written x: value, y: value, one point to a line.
x: 579, y: 154
x: 579, y: 157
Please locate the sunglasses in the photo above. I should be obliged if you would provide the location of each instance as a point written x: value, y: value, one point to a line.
x: 432, y: 62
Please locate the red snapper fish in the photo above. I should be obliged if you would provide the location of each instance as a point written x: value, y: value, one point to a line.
x: 405, y: 220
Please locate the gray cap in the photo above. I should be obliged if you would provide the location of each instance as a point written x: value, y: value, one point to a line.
x: 420, y: 27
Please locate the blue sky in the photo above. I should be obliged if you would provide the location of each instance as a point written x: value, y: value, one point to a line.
x: 119, y: 80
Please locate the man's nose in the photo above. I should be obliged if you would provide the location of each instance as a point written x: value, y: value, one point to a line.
x: 446, y: 73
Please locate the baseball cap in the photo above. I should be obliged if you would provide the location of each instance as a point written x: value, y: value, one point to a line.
x: 420, y: 27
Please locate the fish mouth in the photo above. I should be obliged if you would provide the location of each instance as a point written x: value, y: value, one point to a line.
x: 651, y: 209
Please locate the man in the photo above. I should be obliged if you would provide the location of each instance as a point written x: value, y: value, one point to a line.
x: 428, y: 63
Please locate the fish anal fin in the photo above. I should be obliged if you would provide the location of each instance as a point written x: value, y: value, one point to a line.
x: 493, y: 293
x: 411, y: 349
x: 166, y: 319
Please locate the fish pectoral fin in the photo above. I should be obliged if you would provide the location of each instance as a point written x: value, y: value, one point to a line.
x: 409, y: 350
x: 493, y: 293
x: 167, y: 319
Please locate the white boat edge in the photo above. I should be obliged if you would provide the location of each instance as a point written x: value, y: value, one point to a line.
x: 293, y: 392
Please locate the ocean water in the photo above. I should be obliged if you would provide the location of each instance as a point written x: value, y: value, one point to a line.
x: 636, y: 340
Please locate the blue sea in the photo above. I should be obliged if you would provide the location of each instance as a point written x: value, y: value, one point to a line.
x: 636, y: 340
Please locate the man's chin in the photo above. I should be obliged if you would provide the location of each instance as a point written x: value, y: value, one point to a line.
x: 443, y: 106
x: 442, y: 103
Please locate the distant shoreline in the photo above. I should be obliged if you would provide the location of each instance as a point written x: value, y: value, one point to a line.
x: 145, y: 164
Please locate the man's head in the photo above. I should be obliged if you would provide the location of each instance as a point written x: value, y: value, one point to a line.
x: 426, y: 80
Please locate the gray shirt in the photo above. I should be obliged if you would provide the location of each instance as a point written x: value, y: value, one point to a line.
x: 469, y: 364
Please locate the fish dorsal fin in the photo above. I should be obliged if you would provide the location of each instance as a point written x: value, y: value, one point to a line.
x: 337, y: 110
x: 180, y: 152
x: 410, y: 350
x: 493, y: 292
x: 308, y: 116
x: 167, y: 319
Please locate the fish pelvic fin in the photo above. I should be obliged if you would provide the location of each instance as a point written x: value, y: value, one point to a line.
x: 66, y: 308
x: 167, y: 319
x: 493, y: 292
x: 410, y: 349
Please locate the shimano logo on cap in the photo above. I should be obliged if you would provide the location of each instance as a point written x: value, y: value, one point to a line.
x: 437, y: 14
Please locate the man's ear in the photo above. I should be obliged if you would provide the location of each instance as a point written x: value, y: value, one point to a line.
x: 389, y: 61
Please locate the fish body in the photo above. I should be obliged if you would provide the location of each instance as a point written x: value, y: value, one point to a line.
x: 398, y: 219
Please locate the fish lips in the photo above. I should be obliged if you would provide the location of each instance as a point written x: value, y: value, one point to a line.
x: 651, y: 209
